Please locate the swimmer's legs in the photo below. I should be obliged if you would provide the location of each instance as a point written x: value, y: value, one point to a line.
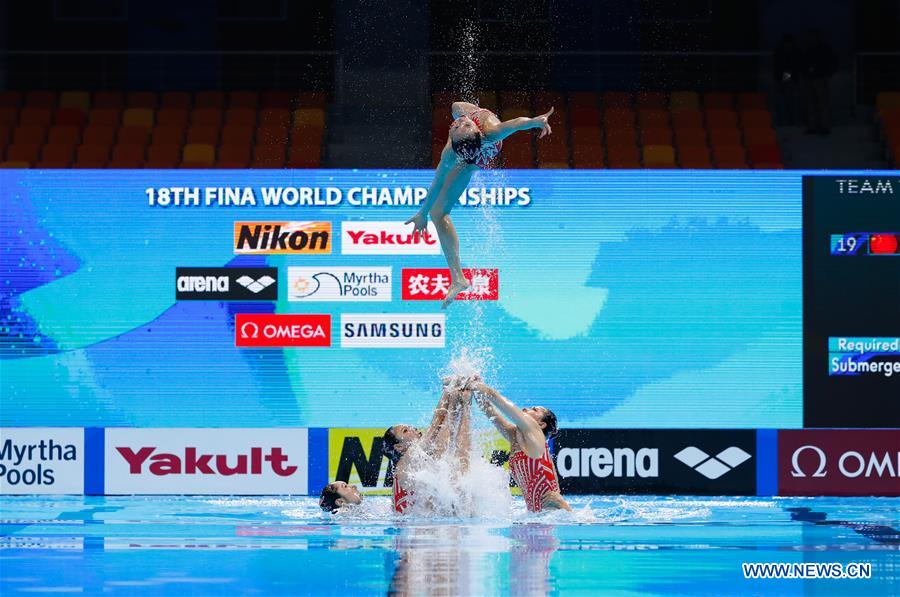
x: 450, y: 245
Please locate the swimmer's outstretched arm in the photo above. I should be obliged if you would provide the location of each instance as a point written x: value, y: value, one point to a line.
x: 507, y: 429
x: 440, y: 414
x: 505, y: 129
x: 533, y: 441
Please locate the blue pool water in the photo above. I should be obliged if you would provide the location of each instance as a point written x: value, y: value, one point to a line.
x: 611, y: 545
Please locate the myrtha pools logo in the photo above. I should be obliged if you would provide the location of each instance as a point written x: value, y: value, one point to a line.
x: 317, y: 284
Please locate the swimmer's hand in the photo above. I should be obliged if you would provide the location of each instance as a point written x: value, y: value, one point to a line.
x: 419, y: 222
x: 543, y: 124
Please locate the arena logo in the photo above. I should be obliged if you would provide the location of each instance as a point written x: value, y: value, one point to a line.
x: 337, y: 284
x: 226, y: 284
x: 839, y: 462
x: 656, y: 461
x: 193, y: 463
x: 431, y: 284
x: 388, y: 238
x: 281, y: 330
x: 393, y: 331
x: 282, y: 238
x: 41, y: 460
x: 603, y: 462
x: 212, y: 461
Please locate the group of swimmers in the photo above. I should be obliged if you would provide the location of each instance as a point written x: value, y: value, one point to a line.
x: 448, y: 436
x: 474, y: 142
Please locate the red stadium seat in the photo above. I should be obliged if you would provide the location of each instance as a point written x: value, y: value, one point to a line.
x: 9, y: 116
x: 142, y: 99
x: 659, y: 135
x: 621, y: 136
x: 92, y: 156
x: 241, y: 115
x: 162, y: 156
x: 619, y: 117
x: 763, y: 154
x: 275, y: 117
x: 168, y: 134
x: 109, y: 100
x: 617, y: 100
x: 271, y: 135
x: 173, y: 116
x: 206, y: 116
x: 99, y: 134
x: 35, y: 115
x: 652, y: 100
x: 10, y: 99
x: 729, y: 157
x: 721, y: 118
x: 724, y: 136
x: 23, y: 152
x: 237, y: 134
x: 687, y: 118
x: 209, y: 99
x: 41, y: 99
x: 760, y: 136
x: 714, y: 100
x: 586, y: 136
x: 305, y: 157
x: 127, y: 156
x: 312, y: 99
x: 588, y: 157
x: 515, y: 100
x: 73, y: 116
x: 64, y: 135
x: 105, y: 116
x: 235, y: 154
x: 30, y: 134
x: 751, y: 100
x: 694, y: 157
x: 281, y: 100
x: 206, y: 134
x: 56, y: 156
x: 691, y: 137
x: 243, y: 99
x: 653, y: 117
x: 623, y: 156
x: 755, y: 118
x: 589, y: 117
x: 133, y: 135
x: 180, y: 100
x: 659, y: 156
x: 584, y: 99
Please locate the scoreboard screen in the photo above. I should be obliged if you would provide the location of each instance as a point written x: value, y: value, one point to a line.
x: 851, y: 301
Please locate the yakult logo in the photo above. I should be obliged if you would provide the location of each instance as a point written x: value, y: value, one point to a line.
x: 193, y: 462
x: 839, y: 462
x: 281, y: 330
x: 206, y: 461
x: 388, y: 238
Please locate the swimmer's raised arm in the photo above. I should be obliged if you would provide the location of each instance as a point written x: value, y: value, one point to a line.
x: 440, y: 413
x: 462, y: 108
x: 532, y: 436
x: 507, y: 429
x: 507, y: 128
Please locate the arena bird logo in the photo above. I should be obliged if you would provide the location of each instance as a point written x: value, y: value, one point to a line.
x: 339, y: 284
x: 226, y: 283
x: 712, y: 467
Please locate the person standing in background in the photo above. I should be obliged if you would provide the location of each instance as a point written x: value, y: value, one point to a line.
x: 787, y: 67
x: 820, y: 64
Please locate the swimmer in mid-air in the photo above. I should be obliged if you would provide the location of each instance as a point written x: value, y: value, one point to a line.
x: 527, y: 430
x: 476, y: 137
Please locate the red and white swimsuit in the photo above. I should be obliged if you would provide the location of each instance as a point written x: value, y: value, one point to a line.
x: 401, y: 497
x: 488, y: 151
x: 534, y: 476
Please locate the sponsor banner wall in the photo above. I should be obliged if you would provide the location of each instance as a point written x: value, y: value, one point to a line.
x: 839, y: 462
x: 206, y: 461
x: 664, y: 461
x: 41, y: 460
x: 388, y: 238
x: 339, y: 284
x: 393, y: 330
x: 431, y: 284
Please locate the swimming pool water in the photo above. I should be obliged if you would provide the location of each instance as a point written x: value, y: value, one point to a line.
x: 612, y: 545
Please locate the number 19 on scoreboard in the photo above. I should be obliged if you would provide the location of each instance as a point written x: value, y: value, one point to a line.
x: 865, y: 243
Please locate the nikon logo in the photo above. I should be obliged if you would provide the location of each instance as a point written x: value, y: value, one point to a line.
x: 282, y: 238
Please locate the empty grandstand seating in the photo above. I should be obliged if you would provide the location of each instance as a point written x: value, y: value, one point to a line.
x: 114, y: 129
